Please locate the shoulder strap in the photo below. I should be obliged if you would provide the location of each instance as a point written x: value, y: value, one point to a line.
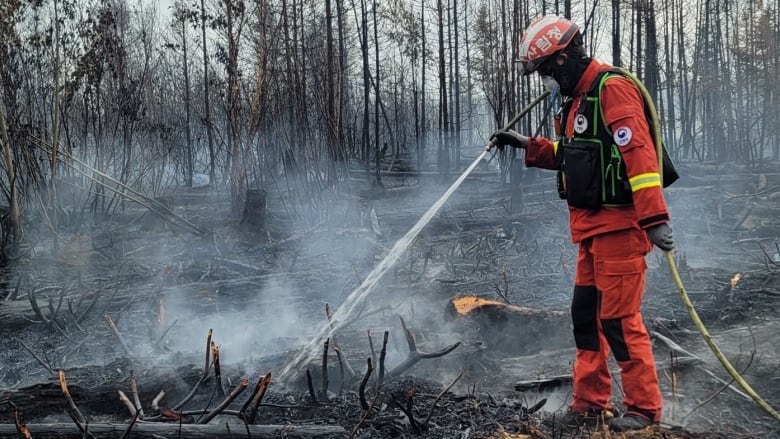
x: 598, y: 82
x: 665, y: 165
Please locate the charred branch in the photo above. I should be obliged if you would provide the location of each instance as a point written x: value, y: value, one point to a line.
x: 157, y: 399
x: 535, y: 408
x: 118, y: 335
x: 371, y: 346
x: 326, y: 348
x: 257, y: 398
x: 363, y: 418
x: 21, y: 427
x: 438, y: 398
x: 362, y: 389
x: 73, y: 410
x: 203, y: 375
x: 134, y: 392
x: 37, y: 358
x: 130, y: 426
x: 217, y: 370
x: 36, y: 308
x: 129, y: 404
x: 310, y: 384
x: 415, y: 355
x: 222, y: 406
x: 382, y: 355
x: 347, y: 373
x: 406, y: 408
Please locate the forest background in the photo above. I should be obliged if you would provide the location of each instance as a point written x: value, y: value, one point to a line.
x: 296, y: 96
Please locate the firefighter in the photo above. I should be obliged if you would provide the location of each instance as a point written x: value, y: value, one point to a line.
x: 609, y: 175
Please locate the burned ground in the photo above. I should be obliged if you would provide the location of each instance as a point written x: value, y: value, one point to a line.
x: 264, y: 295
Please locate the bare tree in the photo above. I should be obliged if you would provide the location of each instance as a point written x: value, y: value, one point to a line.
x: 207, y: 95
x: 377, y: 98
x: 331, y: 116
x: 443, y: 151
x: 616, y: 43
x: 183, y: 17
x: 456, y: 62
x: 422, y: 139
x: 10, y: 192
x: 366, y: 84
x: 234, y: 16
x: 298, y: 104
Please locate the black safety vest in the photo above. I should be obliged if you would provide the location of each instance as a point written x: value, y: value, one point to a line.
x: 591, y: 169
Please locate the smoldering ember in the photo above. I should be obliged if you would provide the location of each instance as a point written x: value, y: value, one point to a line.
x: 287, y: 218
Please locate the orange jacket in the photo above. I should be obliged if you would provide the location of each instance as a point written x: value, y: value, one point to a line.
x: 623, y: 107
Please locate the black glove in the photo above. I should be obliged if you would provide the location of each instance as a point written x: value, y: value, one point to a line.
x: 500, y: 138
x: 661, y: 235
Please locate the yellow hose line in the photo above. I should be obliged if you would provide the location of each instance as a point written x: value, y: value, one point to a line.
x: 656, y: 130
x: 711, y: 343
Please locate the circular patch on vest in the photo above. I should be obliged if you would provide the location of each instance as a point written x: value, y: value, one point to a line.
x: 623, y: 136
x: 580, y: 123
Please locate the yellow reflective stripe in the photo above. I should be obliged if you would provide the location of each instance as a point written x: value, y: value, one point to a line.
x: 644, y: 181
x: 555, y: 147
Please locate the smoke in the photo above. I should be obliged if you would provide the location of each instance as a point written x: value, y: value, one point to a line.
x: 250, y: 327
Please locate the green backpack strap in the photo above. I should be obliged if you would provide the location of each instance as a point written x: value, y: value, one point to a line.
x: 665, y: 166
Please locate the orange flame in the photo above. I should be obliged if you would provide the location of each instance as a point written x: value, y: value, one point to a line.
x: 735, y: 279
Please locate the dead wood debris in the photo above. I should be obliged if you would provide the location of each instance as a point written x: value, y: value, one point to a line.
x: 478, y: 255
x: 141, y: 420
x: 428, y: 411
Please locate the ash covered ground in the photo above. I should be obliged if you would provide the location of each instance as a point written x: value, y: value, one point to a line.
x: 264, y: 295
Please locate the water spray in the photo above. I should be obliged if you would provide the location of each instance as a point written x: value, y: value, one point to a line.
x: 345, y: 313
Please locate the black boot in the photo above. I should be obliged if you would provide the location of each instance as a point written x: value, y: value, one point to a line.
x: 630, y: 422
x: 575, y: 419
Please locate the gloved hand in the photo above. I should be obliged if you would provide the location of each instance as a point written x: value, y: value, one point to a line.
x: 500, y: 138
x: 661, y: 235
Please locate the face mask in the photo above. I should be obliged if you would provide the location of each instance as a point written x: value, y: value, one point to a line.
x: 563, y: 75
x: 550, y: 83
x: 569, y: 73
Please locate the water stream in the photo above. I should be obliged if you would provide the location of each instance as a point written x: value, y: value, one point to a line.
x: 346, y: 311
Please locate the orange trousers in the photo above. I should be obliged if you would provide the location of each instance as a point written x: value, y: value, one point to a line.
x: 608, y: 289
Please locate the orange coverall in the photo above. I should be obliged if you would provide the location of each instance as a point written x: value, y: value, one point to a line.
x: 610, y: 276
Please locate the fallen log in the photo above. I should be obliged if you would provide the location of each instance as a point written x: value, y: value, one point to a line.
x: 513, y: 329
x: 94, y: 390
x: 543, y: 384
x: 16, y: 315
x: 156, y: 430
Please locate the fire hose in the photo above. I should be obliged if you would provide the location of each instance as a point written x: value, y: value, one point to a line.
x: 523, y: 112
x: 676, y: 275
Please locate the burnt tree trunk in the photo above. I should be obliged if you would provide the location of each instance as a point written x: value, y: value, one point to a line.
x: 255, y: 209
x: 510, y: 328
x: 156, y: 222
